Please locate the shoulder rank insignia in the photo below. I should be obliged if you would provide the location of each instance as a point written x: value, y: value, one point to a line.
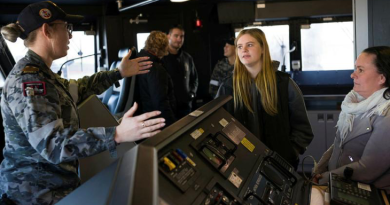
x: 34, y: 88
x: 30, y: 70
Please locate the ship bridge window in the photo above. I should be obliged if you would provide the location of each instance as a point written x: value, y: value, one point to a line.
x: 327, y: 46
x: 80, y: 45
x: 17, y: 49
x: 2, y: 80
x: 278, y: 42
x: 141, y: 38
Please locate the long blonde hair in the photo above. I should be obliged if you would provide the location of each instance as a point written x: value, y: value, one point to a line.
x: 265, y: 80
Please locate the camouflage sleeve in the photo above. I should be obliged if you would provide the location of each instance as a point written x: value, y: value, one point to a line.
x: 49, y: 121
x: 94, y: 84
x: 214, y: 81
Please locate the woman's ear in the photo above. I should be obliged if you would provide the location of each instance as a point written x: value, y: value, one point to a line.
x: 382, y: 80
x: 47, y: 30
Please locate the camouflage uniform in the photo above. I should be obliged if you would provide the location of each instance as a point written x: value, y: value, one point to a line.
x: 221, y: 72
x: 42, y: 134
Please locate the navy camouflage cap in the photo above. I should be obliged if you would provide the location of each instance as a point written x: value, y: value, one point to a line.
x: 36, y: 14
x: 230, y: 41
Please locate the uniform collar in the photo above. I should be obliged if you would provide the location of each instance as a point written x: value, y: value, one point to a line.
x: 37, y: 60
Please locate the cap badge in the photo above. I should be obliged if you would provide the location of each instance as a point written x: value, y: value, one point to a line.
x: 45, y: 13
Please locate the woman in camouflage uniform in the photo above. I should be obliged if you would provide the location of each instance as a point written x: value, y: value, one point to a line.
x: 41, y: 124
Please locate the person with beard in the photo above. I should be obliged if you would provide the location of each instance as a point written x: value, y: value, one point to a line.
x: 181, y: 68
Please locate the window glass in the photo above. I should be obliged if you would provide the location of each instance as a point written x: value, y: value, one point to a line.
x: 2, y: 80
x: 278, y: 42
x: 80, y: 45
x: 328, y: 46
x: 141, y: 38
x: 17, y: 49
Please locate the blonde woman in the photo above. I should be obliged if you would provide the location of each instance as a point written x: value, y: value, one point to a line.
x: 266, y: 101
x: 155, y: 89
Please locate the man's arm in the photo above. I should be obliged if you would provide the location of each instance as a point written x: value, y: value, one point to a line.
x: 301, y: 132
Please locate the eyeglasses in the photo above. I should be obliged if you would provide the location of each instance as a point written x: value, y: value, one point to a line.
x: 69, y: 26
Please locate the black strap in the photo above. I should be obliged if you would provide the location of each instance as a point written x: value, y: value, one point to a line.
x: 5, y: 200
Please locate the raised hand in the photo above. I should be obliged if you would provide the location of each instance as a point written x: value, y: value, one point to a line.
x: 134, y: 66
x: 135, y: 128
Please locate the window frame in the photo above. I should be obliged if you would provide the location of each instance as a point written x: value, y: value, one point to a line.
x: 295, y: 31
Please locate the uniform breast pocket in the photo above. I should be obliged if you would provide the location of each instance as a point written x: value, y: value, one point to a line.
x: 68, y: 112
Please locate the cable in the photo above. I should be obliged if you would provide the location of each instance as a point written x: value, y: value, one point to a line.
x: 307, y: 180
x: 59, y: 72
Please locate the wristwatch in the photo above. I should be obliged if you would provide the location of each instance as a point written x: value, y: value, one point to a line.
x: 118, y: 73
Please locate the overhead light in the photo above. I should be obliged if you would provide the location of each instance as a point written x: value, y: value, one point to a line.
x: 327, y: 19
x: 261, y: 6
x: 178, y: 1
x: 305, y: 26
x: 143, y: 3
x: 137, y: 20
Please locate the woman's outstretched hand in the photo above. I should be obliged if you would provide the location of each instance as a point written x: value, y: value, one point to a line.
x: 134, y: 66
x: 139, y: 127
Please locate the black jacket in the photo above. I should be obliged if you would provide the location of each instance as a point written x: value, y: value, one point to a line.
x: 289, y: 132
x: 155, y: 90
x: 182, y: 69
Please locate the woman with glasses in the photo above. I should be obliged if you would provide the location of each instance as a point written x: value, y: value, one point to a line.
x: 266, y: 101
x: 39, y: 109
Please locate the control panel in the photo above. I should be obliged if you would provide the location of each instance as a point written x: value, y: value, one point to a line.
x: 348, y: 192
x: 206, y: 158
x: 220, y: 162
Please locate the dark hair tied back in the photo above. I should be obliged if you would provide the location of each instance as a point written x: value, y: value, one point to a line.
x: 382, y: 62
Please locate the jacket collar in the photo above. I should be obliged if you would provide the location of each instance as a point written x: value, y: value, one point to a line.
x: 360, y: 127
x: 152, y: 57
x: 179, y: 53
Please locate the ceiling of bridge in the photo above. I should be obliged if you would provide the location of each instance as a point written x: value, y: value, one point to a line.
x: 125, y: 2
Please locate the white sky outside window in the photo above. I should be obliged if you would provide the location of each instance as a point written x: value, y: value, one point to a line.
x: 328, y: 46
x: 2, y: 80
x: 278, y: 42
x: 80, y: 45
x: 17, y: 49
x: 141, y: 38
